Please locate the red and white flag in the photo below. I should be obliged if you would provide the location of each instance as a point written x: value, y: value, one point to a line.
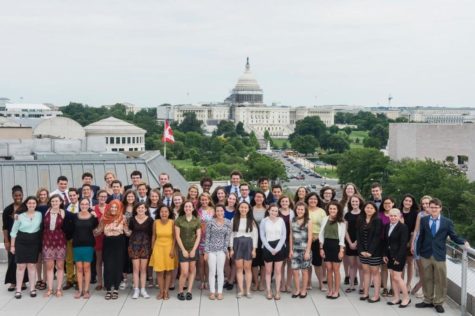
x: 167, y: 134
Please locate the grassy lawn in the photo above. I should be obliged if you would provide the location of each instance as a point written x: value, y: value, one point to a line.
x: 182, y: 164
x: 280, y: 141
x: 327, y: 171
x: 357, y: 135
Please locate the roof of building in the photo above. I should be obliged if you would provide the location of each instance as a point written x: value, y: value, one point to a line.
x: 27, y: 106
x: 34, y: 174
x: 246, y: 81
x: 4, y: 122
x: 113, y: 125
x: 59, y: 127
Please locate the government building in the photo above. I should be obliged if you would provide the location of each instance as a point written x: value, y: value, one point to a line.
x: 246, y: 105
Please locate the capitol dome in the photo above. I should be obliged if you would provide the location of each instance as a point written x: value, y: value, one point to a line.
x: 247, y: 90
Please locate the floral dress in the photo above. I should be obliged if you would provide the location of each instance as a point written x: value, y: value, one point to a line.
x: 54, y: 239
x: 140, y: 241
x: 205, y: 217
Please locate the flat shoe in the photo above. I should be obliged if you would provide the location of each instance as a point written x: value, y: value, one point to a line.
x: 363, y: 298
x: 303, y: 295
x: 392, y: 303
x: 404, y: 306
x: 374, y: 301
x: 295, y: 295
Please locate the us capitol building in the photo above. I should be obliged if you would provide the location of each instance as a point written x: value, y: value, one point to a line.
x: 246, y: 105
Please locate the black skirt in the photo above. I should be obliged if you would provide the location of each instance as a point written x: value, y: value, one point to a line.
x: 269, y: 257
x: 27, y: 247
x: 316, y: 259
x: 331, y: 248
x: 396, y: 267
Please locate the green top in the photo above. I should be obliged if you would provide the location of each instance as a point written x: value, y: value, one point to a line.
x: 188, y: 231
x: 331, y: 230
x: 26, y: 225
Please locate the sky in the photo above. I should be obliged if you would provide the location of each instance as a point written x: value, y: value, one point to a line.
x: 149, y: 52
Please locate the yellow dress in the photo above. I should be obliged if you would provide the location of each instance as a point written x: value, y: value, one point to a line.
x: 160, y: 259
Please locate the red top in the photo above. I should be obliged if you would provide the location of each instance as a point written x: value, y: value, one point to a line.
x: 100, y: 238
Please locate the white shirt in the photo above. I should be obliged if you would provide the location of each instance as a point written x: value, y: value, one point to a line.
x: 64, y: 195
x: 76, y: 208
x: 272, y: 231
x: 391, y: 228
x: 246, y: 199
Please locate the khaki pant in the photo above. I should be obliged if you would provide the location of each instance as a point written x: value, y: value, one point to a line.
x: 70, y: 276
x: 435, y: 281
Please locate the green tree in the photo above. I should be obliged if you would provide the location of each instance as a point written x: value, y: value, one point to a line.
x: 336, y: 143
x: 190, y: 123
x: 225, y: 128
x: 372, y: 142
x: 304, y: 144
x: 258, y: 165
x: 240, y: 129
x: 310, y: 125
x: 333, y: 129
x: 381, y: 133
x: 285, y: 146
x: 363, y: 166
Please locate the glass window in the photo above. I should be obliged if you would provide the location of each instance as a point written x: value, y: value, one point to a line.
x: 117, y: 140
x: 112, y: 140
x: 123, y: 140
x: 107, y: 140
x: 128, y: 140
x: 133, y: 140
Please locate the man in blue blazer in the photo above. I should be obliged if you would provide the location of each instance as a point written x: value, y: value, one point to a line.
x: 433, y: 233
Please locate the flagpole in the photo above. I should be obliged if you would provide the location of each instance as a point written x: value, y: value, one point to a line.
x: 165, y: 150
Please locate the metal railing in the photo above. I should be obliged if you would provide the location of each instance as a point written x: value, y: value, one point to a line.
x: 463, y: 258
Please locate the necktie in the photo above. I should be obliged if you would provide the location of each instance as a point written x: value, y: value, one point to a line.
x: 433, y: 227
x: 73, y: 208
x: 168, y: 202
x: 235, y: 190
x: 65, y: 198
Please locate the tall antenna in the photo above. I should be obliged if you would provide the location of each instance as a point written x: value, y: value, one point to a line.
x: 389, y: 99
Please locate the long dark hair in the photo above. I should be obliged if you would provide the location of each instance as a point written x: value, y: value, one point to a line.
x: 249, y: 218
x: 306, y: 216
x: 381, y: 207
x: 136, y: 206
x: 159, y: 209
x: 291, y: 203
x: 214, y: 196
x: 61, y: 205
x: 263, y: 198
x: 339, y: 213
x: 23, y: 208
x: 182, y: 209
x: 362, y: 219
x: 414, y: 207
x: 319, y: 200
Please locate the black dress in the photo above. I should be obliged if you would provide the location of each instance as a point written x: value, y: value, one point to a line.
x: 8, y: 220
x: 352, y: 220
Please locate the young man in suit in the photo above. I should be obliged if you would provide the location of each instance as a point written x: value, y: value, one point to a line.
x: 263, y: 184
x: 235, y: 183
x: 87, y: 179
x: 62, y: 189
x: 116, y: 191
x: 433, y: 233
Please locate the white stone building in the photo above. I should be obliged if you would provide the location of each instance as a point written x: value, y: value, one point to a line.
x: 28, y: 110
x: 245, y: 104
x: 435, y: 141
x: 117, y: 134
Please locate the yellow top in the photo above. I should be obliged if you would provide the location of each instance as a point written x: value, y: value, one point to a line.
x: 316, y: 216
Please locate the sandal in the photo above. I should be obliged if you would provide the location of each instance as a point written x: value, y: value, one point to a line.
x: 17, y: 295
x: 48, y: 293
x: 99, y: 287
x: 108, y: 295
x: 188, y: 296
x: 269, y: 295
x: 77, y: 294
x: 220, y: 297
x: 86, y: 295
x: 33, y: 293
x: 277, y: 296
x: 115, y: 295
x: 160, y: 295
x: 166, y: 296
x: 349, y: 290
x: 212, y: 296
x: 59, y: 293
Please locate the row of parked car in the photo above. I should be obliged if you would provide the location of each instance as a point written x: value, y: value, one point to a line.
x: 303, y: 170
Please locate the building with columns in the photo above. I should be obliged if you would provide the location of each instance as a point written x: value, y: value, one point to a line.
x: 246, y: 105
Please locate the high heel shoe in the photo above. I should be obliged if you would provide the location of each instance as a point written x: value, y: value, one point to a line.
x: 406, y: 305
x: 392, y: 303
x: 295, y: 295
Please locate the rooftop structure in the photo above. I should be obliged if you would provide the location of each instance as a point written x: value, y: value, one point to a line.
x: 247, y: 90
x: 28, y: 110
x: 118, y: 135
x: 44, y: 171
x: 59, y: 127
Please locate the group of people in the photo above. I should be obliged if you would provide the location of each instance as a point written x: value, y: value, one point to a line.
x: 233, y: 236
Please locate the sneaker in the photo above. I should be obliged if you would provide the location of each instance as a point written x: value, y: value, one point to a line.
x: 144, y: 293
x: 391, y: 293
x: 123, y: 285
x: 136, y: 294
x: 356, y: 281
x: 384, y: 293
x: 347, y: 280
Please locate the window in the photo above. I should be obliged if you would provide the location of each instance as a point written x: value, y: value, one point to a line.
x: 112, y: 140
x: 123, y: 140
x: 133, y: 140
x: 128, y: 140
x: 114, y: 149
x: 117, y: 140
x: 107, y: 140
x: 121, y: 149
x: 130, y: 149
